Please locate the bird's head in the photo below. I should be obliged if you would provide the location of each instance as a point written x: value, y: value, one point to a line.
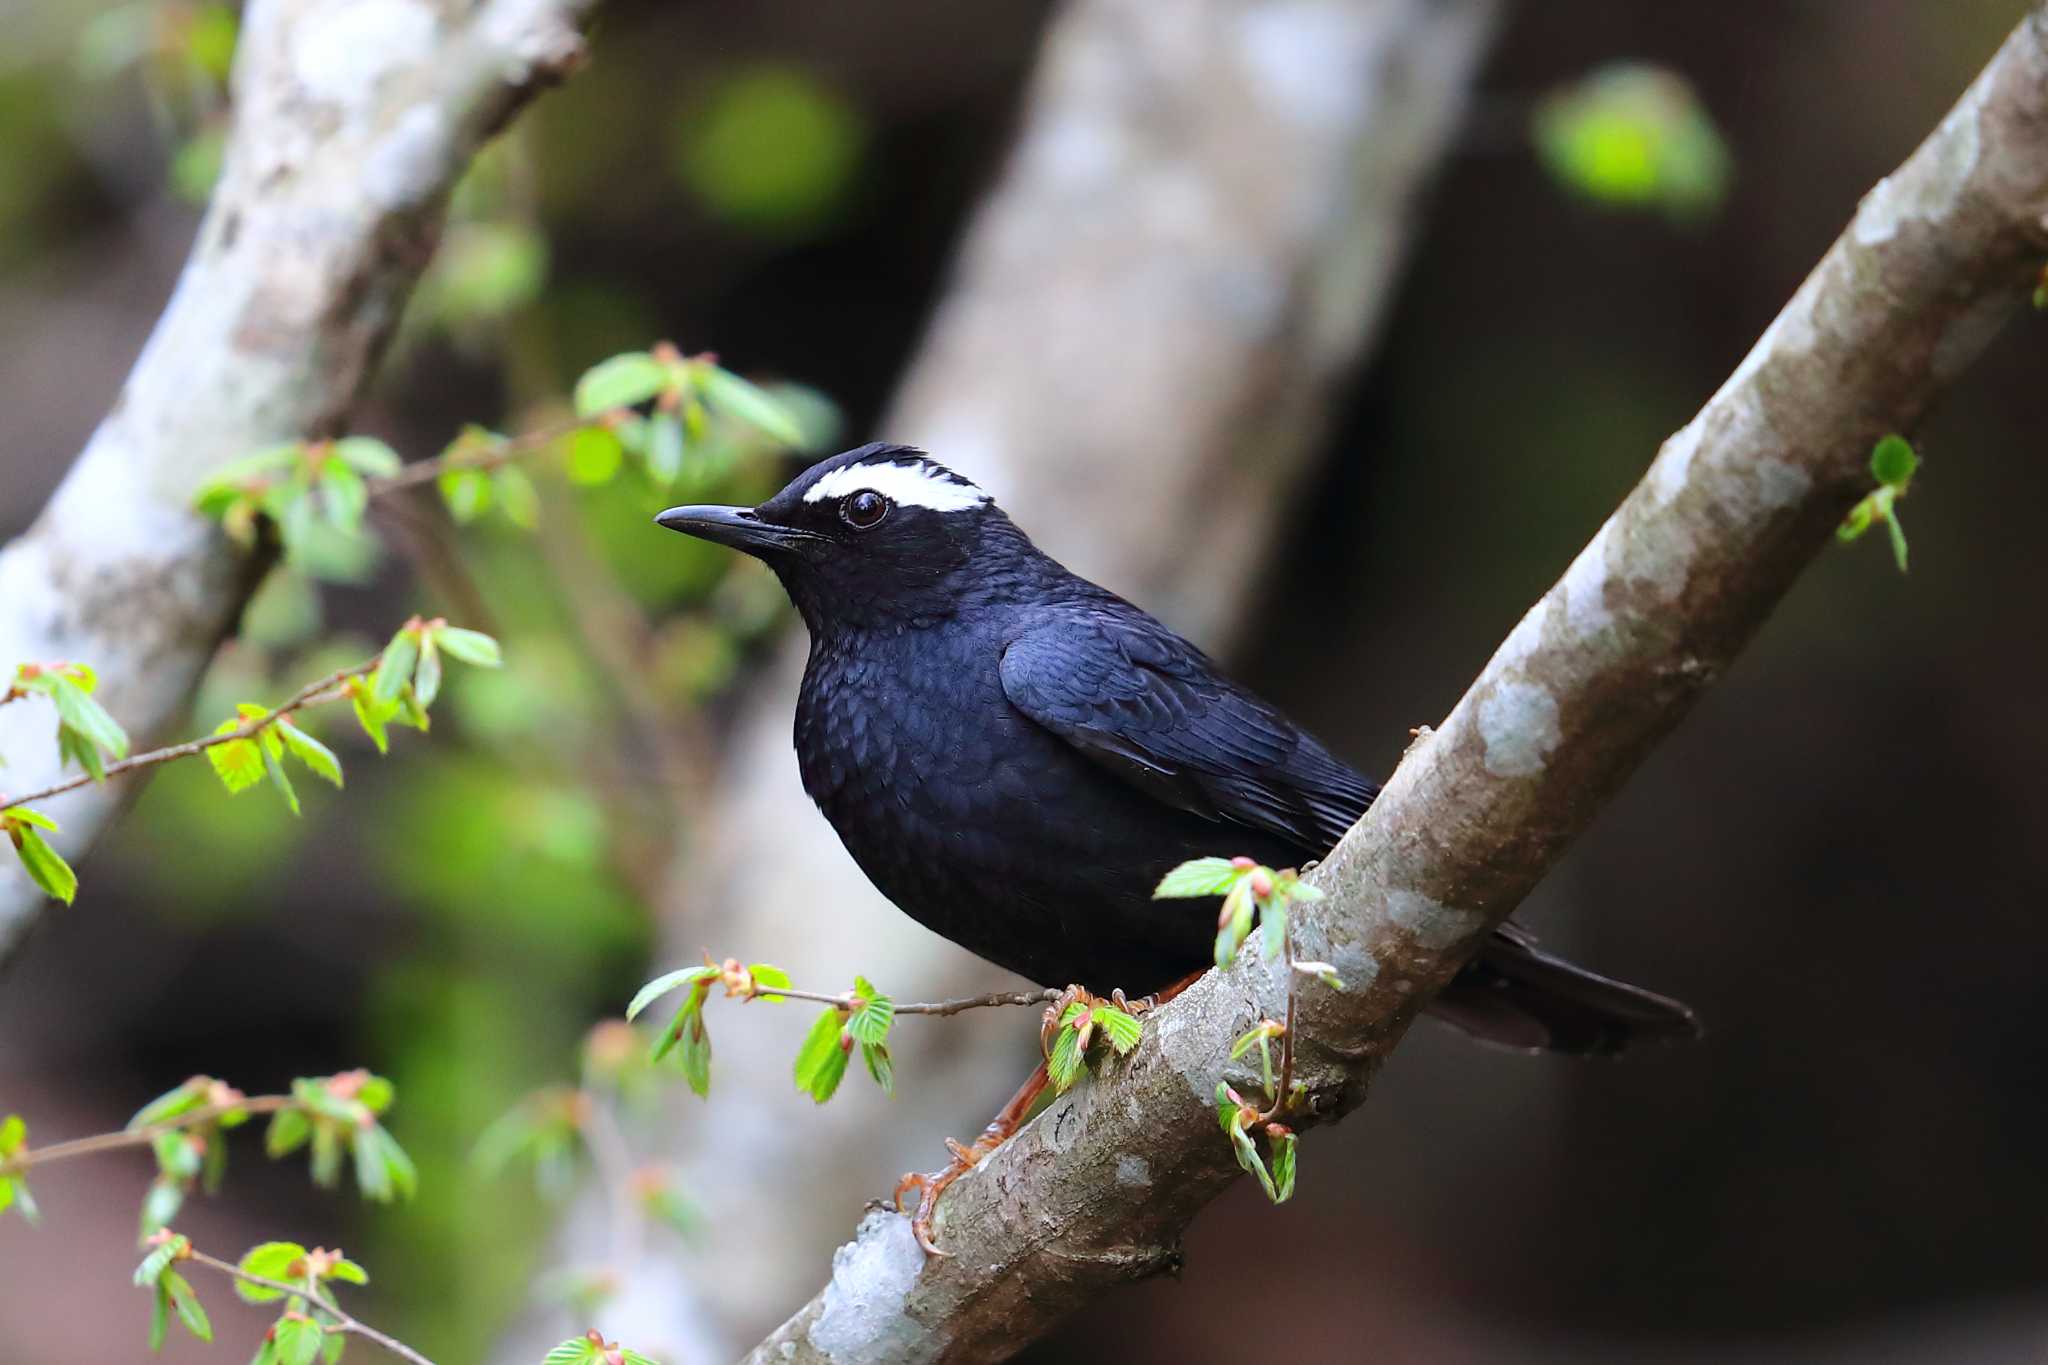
x: 879, y: 535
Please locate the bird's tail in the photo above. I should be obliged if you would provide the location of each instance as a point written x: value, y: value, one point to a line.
x: 1517, y: 996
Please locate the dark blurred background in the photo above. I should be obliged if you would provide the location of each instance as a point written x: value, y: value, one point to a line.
x: 1839, y: 859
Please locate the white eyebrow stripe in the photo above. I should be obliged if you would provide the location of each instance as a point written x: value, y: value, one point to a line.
x: 906, y: 485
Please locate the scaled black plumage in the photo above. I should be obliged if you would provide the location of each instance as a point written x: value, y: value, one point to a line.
x: 1015, y: 756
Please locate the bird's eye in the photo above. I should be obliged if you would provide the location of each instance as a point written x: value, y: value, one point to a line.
x: 864, y: 509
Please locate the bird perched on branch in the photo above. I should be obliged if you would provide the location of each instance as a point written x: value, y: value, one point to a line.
x: 1014, y: 756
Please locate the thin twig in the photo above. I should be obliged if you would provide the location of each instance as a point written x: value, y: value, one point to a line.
x: 845, y: 1000
x: 343, y: 1319
x: 139, y: 1137
x: 329, y: 688
x: 482, y: 458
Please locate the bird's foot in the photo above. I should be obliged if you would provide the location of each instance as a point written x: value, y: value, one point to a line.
x: 965, y: 1158
x: 930, y: 1185
x: 1057, y: 1010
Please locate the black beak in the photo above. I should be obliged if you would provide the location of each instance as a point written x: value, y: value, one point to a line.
x: 734, y: 526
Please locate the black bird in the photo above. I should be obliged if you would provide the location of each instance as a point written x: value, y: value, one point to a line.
x: 1015, y: 756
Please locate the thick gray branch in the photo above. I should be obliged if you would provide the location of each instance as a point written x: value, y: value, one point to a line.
x: 1147, y: 327
x: 1097, y: 1190
x: 353, y: 119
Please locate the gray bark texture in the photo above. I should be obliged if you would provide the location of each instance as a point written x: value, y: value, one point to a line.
x: 1096, y: 1191
x: 353, y: 118
x: 1148, y: 325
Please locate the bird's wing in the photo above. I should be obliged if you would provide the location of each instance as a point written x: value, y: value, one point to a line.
x: 1150, y: 707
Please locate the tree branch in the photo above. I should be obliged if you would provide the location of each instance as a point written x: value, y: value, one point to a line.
x: 353, y: 120
x: 1098, y: 1189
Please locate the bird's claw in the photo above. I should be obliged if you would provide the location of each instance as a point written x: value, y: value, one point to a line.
x: 931, y: 1185
x: 1072, y: 995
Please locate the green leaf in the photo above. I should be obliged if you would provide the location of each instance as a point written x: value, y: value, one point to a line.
x: 278, y: 777
x: 880, y: 1065
x: 174, y: 1287
x: 159, y: 1320
x: 870, y: 1023
x: 1122, y: 1028
x: 821, y: 1061
x: 517, y: 497
x: 1065, y: 1063
x: 1898, y: 539
x: 467, y: 493
x: 368, y: 455
x: 623, y: 381
x: 158, y: 1260
x: 239, y: 762
x: 376, y: 1094
x: 767, y: 974
x: 1237, y: 923
x: 405, y: 1177
x: 665, y: 448
x: 1231, y: 1114
x: 78, y: 711
x: 298, y: 1341
x: 273, y: 1261
x: 14, y: 1192
x: 13, y: 1135
x: 343, y: 494
x: 326, y: 1155
x: 469, y: 646
x: 395, y: 668
x: 595, y: 454
x: 1283, y: 1166
x: 73, y: 747
x: 161, y: 1204
x: 169, y: 1105
x: 426, y: 679
x: 580, y: 1351
x: 687, y: 1032
x: 737, y: 398
x: 348, y: 1271
x: 1633, y: 135
x: 383, y: 1170
x: 1273, y: 930
x: 1199, y: 877
x: 371, y: 715
x: 288, y: 1131
x: 662, y: 985
x: 44, y: 866
x: 1858, y: 521
x: 1893, y: 461
x: 26, y: 816
x: 310, y: 751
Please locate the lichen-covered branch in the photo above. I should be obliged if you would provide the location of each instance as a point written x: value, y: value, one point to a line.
x: 353, y: 120
x: 1097, y: 1190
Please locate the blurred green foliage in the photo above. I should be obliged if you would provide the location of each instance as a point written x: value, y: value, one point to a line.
x: 770, y: 148
x: 1634, y: 136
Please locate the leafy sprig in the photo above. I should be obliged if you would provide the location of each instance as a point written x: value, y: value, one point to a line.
x: 184, y: 1129
x: 1251, y: 891
x: 855, y: 1020
x: 395, y: 686
x: 697, y: 411
x: 1893, y: 463
x: 312, y: 1325
x: 86, y: 734
x: 592, y: 1349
